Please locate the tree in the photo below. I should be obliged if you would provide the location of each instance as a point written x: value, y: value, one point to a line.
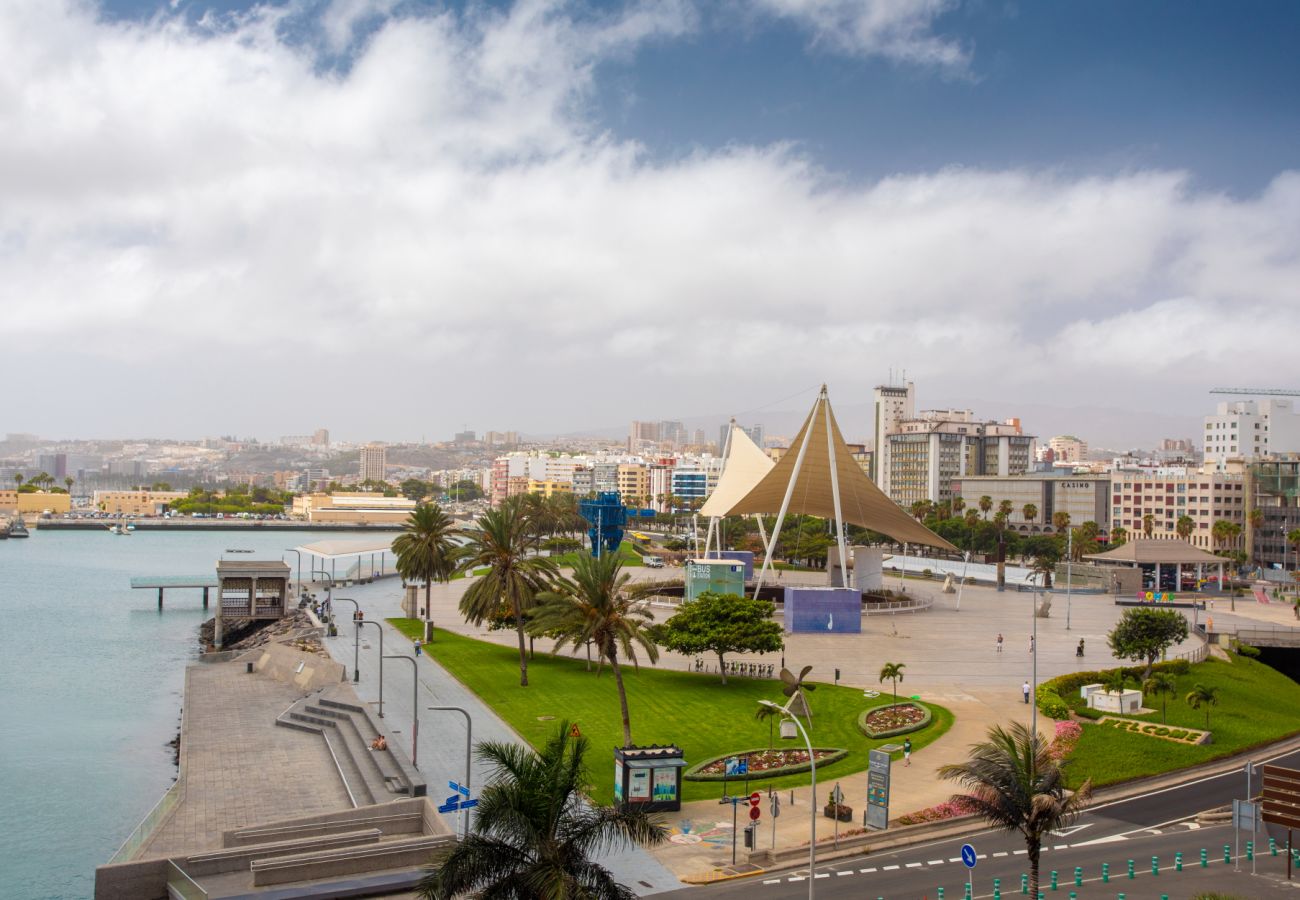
x: 1115, y: 681
x: 1004, y: 509
x: 594, y: 606
x: 68, y: 482
x: 427, y: 551
x: 1014, y: 784
x: 1184, y: 527
x: 1148, y: 524
x: 1029, y: 511
x: 1293, y: 538
x: 1060, y: 520
x: 892, y: 671
x: 1164, y: 684
x: 722, y: 624
x: 986, y: 504
x: 414, y: 489
x: 1045, y: 561
x: 536, y: 830
x: 770, y: 714
x: 958, y: 504
x: 1203, y: 695
x: 1144, y: 634
x: 503, y: 545
x: 1224, y: 532
x: 1118, y: 536
x: 18, y: 479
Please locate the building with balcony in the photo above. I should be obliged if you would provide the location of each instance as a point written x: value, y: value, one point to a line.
x: 1166, y: 495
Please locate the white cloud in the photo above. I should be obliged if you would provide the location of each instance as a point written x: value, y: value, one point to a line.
x: 447, y: 204
x: 899, y: 30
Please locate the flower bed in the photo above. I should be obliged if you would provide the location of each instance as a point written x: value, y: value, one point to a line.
x: 764, y: 763
x: 949, y: 809
x: 887, y: 721
x: 1178, y: 735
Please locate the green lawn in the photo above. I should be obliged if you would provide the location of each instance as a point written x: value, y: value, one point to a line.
x: 1256, y: 706
x: 631, y: 559
x: 697, y: 712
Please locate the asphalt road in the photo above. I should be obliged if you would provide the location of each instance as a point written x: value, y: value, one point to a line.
x: 1159, y: 823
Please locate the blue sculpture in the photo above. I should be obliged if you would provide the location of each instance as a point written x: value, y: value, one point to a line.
x: 607, y: 516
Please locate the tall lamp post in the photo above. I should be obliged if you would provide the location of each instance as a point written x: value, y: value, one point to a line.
x: 415, y: 703
x: 356, y: 646
x: 469, y: 749
x: 361, y: 622
x: 298, y: 552
x: 812, y: 803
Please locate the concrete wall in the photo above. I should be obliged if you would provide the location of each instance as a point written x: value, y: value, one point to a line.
x: 813, y: 610
x: 281, y: 663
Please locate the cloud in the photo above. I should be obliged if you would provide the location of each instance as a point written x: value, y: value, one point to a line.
x: 899, y: 30
x: 448, y: 203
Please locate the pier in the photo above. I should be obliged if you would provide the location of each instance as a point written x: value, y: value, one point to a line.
x: 162, y: 582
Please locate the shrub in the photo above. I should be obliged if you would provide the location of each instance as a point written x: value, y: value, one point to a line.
x: 1248, y: 651
x: 1085, y: 712
x: 1051, y: 704
x: 1063, y: 742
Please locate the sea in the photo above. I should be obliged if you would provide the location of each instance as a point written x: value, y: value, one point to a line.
x: 91, y: 684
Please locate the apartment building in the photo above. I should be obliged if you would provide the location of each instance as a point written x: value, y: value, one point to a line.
x: 893, y: 405
x: 374, y: 463
x: 1168, y: 494
x: 1250, y: 429
x: 1066, y: 448
x: 1084, y: 499
x: 926, y: 453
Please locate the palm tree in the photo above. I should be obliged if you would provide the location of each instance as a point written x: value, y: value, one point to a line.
x: 1293, y: 538
x: 958, y: 504
x: 771, y: 714
x: 892, y: 672
x: 1118, y: 536
x: 1164, y: 684
x: 503, y: 544
x: 1148, y: 524
x: 536, y: 831
x: 426, y: 551
x: 1184, y: 526
x: 986, y: 504
x: 594, y: 606
x: 1115, y: 682
x: 1060, y: 520
x: 1203, y: 695
x: 1013, y: 782
x: 18, y: 479
x: 920, y: 509
x: 68, y: 482
x: 1004, y: 509
x: 1030, y: 512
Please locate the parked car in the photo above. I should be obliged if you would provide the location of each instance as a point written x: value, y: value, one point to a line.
x: 653, y: 562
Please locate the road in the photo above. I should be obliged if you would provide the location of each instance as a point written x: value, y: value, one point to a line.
x: 1159, y: 823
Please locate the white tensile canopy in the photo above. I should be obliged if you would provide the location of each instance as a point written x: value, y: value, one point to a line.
x: 818, y: 476
x: 743, y: 467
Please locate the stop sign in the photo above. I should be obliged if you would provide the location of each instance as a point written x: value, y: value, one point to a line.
x: 754, y: 798
x: 755, y: 812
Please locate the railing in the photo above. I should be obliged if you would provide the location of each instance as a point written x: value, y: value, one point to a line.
x: 1195, y: 655
x: 1278, y: 636
x: 182, y: 885
x: 913, y: 604
x: 135, y: 840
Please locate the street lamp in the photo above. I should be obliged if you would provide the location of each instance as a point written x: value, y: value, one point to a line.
x: 812, y: 803
x: 356, y: 647
x: 361, y: 622
x: 295, y: 550
x: 415, y: 702
x: 469, y: 744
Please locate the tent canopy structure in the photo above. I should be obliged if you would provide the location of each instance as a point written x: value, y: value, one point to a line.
x: 820, y: 478
x: 743, y: 467
x: 1165, y: 552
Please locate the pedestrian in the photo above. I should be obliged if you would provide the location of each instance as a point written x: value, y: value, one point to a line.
x: 999, y: 642
x: 1079, y: 652
x: 417, y: 648
x: 1025, y: 688
x: 907, y: 751
x: 1031, y: 645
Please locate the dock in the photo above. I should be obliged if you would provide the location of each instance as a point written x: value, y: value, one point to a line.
x: 162, y: 582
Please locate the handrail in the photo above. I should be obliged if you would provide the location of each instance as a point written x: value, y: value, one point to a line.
x: 135, y: 840
x: 178, y: 880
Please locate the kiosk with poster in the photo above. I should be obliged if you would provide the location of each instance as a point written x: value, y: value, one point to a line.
x: 649, y: 776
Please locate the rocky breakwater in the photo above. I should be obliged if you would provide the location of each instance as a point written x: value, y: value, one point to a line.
x: 295, y: 630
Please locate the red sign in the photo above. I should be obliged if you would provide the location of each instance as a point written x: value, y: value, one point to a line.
x: 755, y: 798
x: 754, y: 813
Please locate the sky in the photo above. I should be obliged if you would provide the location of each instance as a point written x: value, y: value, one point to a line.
x: 397, y: 219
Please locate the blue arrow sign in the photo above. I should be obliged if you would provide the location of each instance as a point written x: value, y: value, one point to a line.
x: 452, y: 804
x: 968, y: 855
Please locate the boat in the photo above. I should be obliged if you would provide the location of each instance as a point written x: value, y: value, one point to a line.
x: 17, y: 528
x: 4, y: 529
x: 119, y: 528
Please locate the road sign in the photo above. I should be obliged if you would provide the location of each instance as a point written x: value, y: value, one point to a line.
x: 458, y: 788
x: 878, y: 790
x: 968, y: 855
x: 1282, y: 796
x: 755, y: 798
x: 459, y: 800
x: 737, y: 765
x: 1245, y: 815
x: 775, y: 806
x: 755, y: 812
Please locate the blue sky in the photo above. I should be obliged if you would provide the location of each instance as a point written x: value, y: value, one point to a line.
x: 1033, y: 206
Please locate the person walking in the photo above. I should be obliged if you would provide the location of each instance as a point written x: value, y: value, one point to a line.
x: 907, y: 751
x: 1031, y: 645
x: 1079, y: 650
x: 999, y: 642
x: 1025, y: 688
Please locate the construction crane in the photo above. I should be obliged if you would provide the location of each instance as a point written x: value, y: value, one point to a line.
x: 1260, y: 392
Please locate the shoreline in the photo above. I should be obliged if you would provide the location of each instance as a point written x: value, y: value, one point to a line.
x: 208, y: 525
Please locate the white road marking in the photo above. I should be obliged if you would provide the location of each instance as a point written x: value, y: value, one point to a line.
x: 982, y: 856
x: 842, y: 874
x: 796, y: 878
x: 772, y: 881
x: 914, y: 865
x: 1154, y: 831
x: 823, y: 875
x: 1104, y: 840
x: 1000, y: 854
x: 954, y: 859
x: 867, y: 871
x: 1021, y: 852
x: 935, y: 862
x: 889, y: 868
x: 1060, y: 847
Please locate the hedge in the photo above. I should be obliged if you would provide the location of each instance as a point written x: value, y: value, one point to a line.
x: 693, y: 773
x: 1063, y: 690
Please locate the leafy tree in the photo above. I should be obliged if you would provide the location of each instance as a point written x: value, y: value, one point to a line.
x: 1014, y: 784
x: 414, y: 489
x: 594, y: 606
x: 503, y: 545
x: 1144, y: 634
x: 722, y: 624
x: 427, y: 550
x: 892, y: 671
x: 537, y: 832
x: 1203, y: 695
x: 1164, y: 684
x: 464, y: 490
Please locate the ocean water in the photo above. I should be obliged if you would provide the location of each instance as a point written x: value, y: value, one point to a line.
x: 91, y: 679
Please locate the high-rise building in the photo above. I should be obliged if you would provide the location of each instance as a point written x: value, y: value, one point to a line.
x: 672, y: 433
x: 373, y: 462
x: 1068, y: 448
x: 893, y: 404
x: 641, y: 433
x: 321, y: 437
x: 928, y: 452
x: 465, y: 437
x: 1249, y: 429
x: 55, y: 464
x: 756, y: 433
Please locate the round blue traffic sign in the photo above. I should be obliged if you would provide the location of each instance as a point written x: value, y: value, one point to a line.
x: 968, y: 855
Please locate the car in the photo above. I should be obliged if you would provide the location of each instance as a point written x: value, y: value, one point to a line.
x: 653, y: 562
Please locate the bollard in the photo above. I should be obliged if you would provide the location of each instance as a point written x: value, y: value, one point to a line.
x: 1272, y: 847
x: 1053, y: 879
x: 1024, y: 883
x: 1227, y: 853
x: 940, y: 893
x: 1250, y: 850
x: 1205, y: 858
x: 1178, y: 862
x: 1074, y: 895
x: 1078, y: 877
x: 1121, y: 897
x: 1155, y: 865
x: 968, y: 890
x: 1105, y: 873
x: 1131, y: 873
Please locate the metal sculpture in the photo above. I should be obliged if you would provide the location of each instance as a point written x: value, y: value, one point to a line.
x: 793, y: 687
x: 607, y: 516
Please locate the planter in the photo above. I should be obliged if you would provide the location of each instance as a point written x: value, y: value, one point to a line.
x: 893, y: 719
x: 764, y: 763
x: 838, y: 811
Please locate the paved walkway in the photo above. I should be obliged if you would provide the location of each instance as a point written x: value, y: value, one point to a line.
x: 950, y: 656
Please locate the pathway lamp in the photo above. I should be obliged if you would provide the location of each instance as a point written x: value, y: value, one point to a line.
x: 415, y: 703
x: 361, y: 622
x: 356, y: 646
x: 469, y: 745
x: 812, y: 803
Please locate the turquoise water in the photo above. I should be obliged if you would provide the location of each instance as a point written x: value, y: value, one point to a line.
x: 91, y: 679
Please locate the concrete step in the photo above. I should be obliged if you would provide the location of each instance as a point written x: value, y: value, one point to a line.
x: 417, y: 851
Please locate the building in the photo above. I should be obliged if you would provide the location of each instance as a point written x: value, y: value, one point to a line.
x: 926, y: 453
x: 13, y: 502
x: 757, y: 434
x: 1066, y: 448
x: 641, y: 433
x: 321, y: 437
x: 549, y: 488
x: 1166, y: 495
x: 136, y: 503
x: 1273, y: 486
x: 1250, y: 429
x: 672, y: 433
x: 633, y: 483
x: 501, y: 438
x: 1083, y: 499
x: 55, y: 464
x: 893, y: 405
x: 373, y: 463
x: 360, y: 508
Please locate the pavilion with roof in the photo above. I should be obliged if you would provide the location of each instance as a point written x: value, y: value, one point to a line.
x: 1157, y: 555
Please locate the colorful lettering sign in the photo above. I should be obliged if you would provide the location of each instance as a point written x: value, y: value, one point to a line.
x: 1157, y: 596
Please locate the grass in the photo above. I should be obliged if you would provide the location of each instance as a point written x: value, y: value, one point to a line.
x: 697, y: 712
x: 631, y: 559
x: 1256, y: 706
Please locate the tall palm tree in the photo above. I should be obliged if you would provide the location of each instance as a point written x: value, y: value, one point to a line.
x: 68, y: 481
x: 427, y: 551
x: 1060, y: 520
x: 503, y: 544
x: 1013, y: 782
x: 1203, y: 695
x: 1164, y: 684
x: 958, y: 504
x: 1148, y: 524
x: 1004, y: 508
x: 18, y: 479
x: 1293, y: 538
x: 1118, y: 536
x: 986, y: 504
x: 892, y: 671
x: 594, y: 606
x: 1030, y: 512
x: 1115, y: 681
x: 1184, y: 527
x: 536, y: 831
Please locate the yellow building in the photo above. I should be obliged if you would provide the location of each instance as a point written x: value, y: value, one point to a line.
x: 360, y: 508
x: 634, y: 482
x: 14, y: 503
x: 136, y: 503
x: 550, y: 488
